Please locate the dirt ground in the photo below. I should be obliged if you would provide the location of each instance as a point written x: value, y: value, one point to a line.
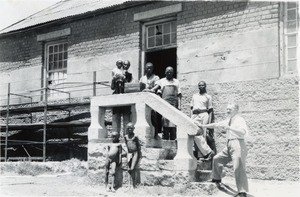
x: 68, y: 184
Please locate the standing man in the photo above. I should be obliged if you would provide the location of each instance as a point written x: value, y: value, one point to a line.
x: 147, y: 82
x: 128, y: 75
x: 236, y: 129
x: 201, y: 111
x: 149, y: 79
x: 169, y: 89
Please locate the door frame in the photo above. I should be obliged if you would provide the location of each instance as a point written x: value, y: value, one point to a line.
x: 144, y: 36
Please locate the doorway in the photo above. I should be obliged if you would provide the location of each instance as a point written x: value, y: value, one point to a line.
x: 161, y: 59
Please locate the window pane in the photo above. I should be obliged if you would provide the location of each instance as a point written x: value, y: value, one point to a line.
x: 150, y: 42
x: 292, y: 53
x: 167, y: 39
x: 291, y: 27
x: 60, y: 65
x: 65, y: 47
x: 292, y: 65
x: 161, y: 34
x: 291, y: 14
x: 50, y: 58
x: 61, y: 48
x: 158, y: 30
x: 166, y: 28
x: 65, y: 55
x: 55, y: 65
x: 55, y: 76
x: 51, y: 49
x: 65, y: 74
x: 65, y: 64
x: 173, y: 26
x: 56, y: 48
x: 50, y: 76
x: 60, y: 56
x: 55, y: 57
x: 50, y: 66
x: 291, y: 5
x: 173, y: 37
x: 151, y: 31
x: 292, y: 40
x: 158, y: 40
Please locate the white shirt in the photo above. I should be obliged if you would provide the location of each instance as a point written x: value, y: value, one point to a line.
x: 149, y: 82
x: 201, y: 101
x: 165, y: 82
x: 238, y: 123
x: 118, y: 71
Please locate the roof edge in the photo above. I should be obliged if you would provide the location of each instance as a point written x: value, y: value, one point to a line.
x: 97, y: 12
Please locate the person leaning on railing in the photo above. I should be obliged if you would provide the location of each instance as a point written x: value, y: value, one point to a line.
x: 236, y: 151
x: 147, y: 82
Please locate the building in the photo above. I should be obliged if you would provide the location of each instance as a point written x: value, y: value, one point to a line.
x: 245, y: 51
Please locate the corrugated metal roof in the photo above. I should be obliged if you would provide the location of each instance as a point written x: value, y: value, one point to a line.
x: 61, y: 10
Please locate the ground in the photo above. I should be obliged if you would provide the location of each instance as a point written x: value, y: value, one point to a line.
x: 73, y: 184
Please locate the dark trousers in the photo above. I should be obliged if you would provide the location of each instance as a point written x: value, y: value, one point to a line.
x: 169, y: 133
x: 156, y: 119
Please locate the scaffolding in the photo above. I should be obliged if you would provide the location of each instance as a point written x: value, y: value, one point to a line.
x: 45, y: 108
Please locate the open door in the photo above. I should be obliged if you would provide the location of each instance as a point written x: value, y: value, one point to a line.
x: 161, y: 59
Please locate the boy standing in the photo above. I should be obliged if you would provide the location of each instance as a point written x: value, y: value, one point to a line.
x: 113, y: 160
x: 133, y: 148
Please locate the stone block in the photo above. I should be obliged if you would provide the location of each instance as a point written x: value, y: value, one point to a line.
x: 150, y: 178
x: 151, y: 153
x: 166, y: 178
x: 97, y: 149
x: 169, y: 144
x: 149, y: 165
x: 167, y: 154
x: 166, y: 165
x: 204, y: 164
x: 153, y: 143
x: 202, y: 175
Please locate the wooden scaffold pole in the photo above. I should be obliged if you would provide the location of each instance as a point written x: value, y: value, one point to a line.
x: 7, y: 122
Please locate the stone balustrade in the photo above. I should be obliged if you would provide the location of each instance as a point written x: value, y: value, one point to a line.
x: 141, y: 104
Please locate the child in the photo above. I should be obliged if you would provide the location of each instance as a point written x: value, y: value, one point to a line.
x: 113, y: 160
x: 118, y: 78
x: 133, y: 147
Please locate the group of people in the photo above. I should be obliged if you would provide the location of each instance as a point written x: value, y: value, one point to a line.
x: 202, y: 113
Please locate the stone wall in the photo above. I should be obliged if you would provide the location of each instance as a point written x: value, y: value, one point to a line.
x: 228, y: 41
x: 270, y: 108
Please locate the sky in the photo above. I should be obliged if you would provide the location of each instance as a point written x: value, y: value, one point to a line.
x: 12, y: 11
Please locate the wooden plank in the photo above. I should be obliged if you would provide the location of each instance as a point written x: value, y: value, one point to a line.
x: 51, y: 107
x: 74, y: 123
x: 49, y: 142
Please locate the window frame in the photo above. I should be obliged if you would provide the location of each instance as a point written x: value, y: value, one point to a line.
x: 48, y: 71
x: 287, y: 35
x: 146, y: 25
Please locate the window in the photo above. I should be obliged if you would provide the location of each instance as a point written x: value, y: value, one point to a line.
x: 57, y: 56
x: 291, y: 24
x: 159, y: 35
